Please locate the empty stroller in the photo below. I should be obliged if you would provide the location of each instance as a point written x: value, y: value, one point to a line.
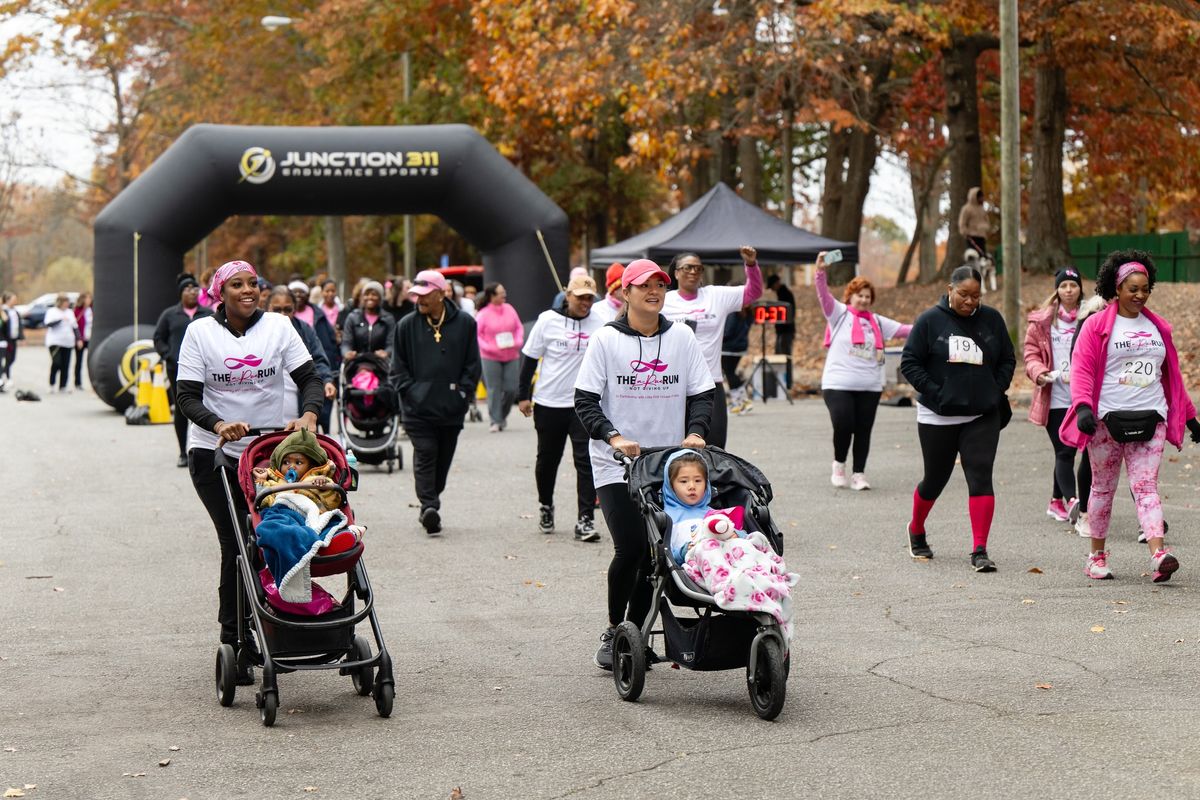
x: 713, y: 639
x: 368, y: 418
x: 291, y: 641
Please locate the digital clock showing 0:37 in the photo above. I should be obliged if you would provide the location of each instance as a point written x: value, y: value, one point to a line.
x: 770, y: 313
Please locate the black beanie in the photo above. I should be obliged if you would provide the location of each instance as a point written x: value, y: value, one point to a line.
x: 1067, y: 274
x: 184, y: 281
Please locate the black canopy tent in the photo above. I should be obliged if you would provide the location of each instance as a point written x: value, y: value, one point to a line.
x: 715, y: 227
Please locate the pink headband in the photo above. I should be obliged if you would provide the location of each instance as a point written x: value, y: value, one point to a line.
x: 224, y: 273
x: 1128, y: 269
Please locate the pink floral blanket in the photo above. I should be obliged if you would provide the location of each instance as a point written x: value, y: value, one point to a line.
x: 744, y: 575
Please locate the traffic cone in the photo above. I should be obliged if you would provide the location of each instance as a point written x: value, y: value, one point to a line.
x: 160, y: 406
x: 144, y: 384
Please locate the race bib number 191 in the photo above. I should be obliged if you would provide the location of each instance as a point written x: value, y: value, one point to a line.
x: 963, y: 350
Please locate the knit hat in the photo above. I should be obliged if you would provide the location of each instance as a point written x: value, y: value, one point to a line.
x: 1067, y: 274
x: 613, y: 275
x: 303, y: 442
x: 373, y: 286
x: 186, y: 280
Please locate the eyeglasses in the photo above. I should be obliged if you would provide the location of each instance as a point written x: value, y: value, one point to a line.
x: 690, y: 268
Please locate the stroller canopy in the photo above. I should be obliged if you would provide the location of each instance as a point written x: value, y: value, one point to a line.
x: 724, y: 470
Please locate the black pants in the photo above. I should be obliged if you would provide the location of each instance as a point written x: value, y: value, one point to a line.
x: 80, y: 357
x: 1064, y: 459
x: 1085, y: 480
x: 10, y: 355
x: 628, y: 587
x: 978, y: 244
x: 554, y: 426
x: 853, y: 417
x: 60, y: 365
x: 718, y: 423
x: 729, y: 366
x: 784, y: 338
x: 974, y: 442
x: 178, y: 419
x: 433, y: 451
x: 207, y: 482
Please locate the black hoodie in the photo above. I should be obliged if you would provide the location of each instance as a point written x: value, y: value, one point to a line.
x: 435, y: 380
x: 958, y: 389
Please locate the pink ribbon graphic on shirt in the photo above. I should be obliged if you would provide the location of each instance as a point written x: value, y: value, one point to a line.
x: 249, y: 361
x: 647, y: 366
x: 1138, y: 335
x: 578, y: 335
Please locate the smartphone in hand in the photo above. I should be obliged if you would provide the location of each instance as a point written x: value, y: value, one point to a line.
x: 832, y: 257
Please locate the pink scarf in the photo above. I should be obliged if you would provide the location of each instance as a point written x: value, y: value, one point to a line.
x: 856, y: 333
x: 224, y: 273
x: 1067, y: 316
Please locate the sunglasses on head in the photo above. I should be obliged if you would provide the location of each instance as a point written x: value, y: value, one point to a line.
x: 423, y: 282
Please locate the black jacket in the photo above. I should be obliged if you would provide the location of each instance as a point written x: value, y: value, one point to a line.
x: 435, y: 380
x: 360, y: 337
x: 958, y: 389
x: 168, y: 333
x: 315, y: 348
x: 328, y: 339
x: 785, y: 296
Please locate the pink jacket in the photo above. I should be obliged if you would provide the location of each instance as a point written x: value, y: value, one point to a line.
x: 1087, y: 376
x: 494, y: 319
x: 1038, y: 357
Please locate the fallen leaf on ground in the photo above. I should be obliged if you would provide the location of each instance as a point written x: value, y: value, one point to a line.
x: 540, y: 585
x: 59, y: 589
x: 510, y: 558
x: 958, y: 586
x: 295, y: 710
x: 174, y: 748
x: 1036, y: 570
x: 456, y: 794
x: 1121, y: 602
x: 794, y: 524
x: 856, y: 594
x: 1179, y: 641
x: 133, y: 774
x: 164, y: 762
x: 311, y: 789
x: 10, y: 749
x: 529, y: 583
x: 527, y: 516
x: 37, y: 577
x: 1043, y: 686
x: 856, y: 578
x: 1097, y: 629
x: 13, y: 792
x: 1028, y: 601
x: 1120, y: 610
x: 29, y: 786
x: 833, y: 547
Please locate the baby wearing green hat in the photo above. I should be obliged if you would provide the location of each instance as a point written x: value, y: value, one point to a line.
x: 299, y: 458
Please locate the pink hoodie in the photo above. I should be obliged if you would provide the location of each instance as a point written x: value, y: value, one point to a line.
x: 495, y: 319
x: 1087, y: 376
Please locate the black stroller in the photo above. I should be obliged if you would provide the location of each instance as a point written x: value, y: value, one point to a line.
x: 712, y: 639
x: 368, y: 419
x: 289, y: 641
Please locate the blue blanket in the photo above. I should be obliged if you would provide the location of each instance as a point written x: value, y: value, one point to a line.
x: 290, y: 533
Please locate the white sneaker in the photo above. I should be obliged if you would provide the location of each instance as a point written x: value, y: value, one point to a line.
x: 858, y: 482
x: 493, y: 428
x: 1082, y: 527
x: 838, y: 476
x: 1164, y: 564
x: 1096, y: 566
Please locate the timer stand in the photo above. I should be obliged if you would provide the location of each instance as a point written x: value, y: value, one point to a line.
x: 767, y: 312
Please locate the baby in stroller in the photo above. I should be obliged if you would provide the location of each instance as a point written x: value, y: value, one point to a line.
x: 739, y: 569
x: 299, y: 458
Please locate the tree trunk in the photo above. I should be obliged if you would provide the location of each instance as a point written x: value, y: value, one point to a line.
x: 927, y: 263
x: 750, y: 168
x: 335, y: 249
x: 1047, y: 249
x: 787, y: 173
x: 962, y: 119
x: 389, y: 253
x: 835, y: 180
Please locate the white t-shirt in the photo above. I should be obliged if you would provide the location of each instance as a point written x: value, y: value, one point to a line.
x: 242, y: 375
x: 561, y: 343
x: 708, y: 310
x: 850, y: 367
x: 60, y: 327
x: 1061, y: 335
x: 603, y: 310
x: 643, y: 383
x: 1133, y: 371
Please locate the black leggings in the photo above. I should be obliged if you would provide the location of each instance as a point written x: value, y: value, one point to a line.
x: 729, y: 365
x: 60, y: 365
x: 10, y: 355
x: 178, y: 419
x: 718, y: 423
x: 974, y: 442
x: 80, y: 357
x: 1064, y: 459
x: 554, y: 426
x: 1085, y: 480
x: 853, y: 416
x: 628, y: 587
x: 211, y: 492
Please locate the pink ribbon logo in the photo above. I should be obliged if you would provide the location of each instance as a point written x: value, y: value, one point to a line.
x: 1138, y: 335
x: 576, y: 335
x: 249, y: 361
x: 647, y: 366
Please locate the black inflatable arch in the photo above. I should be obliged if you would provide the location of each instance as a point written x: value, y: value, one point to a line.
x: 216, y: 171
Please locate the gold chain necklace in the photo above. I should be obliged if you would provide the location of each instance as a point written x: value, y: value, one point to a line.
x: 437, y: 327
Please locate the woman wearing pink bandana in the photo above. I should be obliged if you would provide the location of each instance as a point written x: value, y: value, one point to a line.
x: 1048, y: 364
x: 853, y: 378
x: 1127, y: 399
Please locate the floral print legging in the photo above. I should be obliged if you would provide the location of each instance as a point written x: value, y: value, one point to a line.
x: 1141, y: 465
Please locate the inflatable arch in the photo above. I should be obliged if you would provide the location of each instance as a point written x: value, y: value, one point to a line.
x: 216, y: 171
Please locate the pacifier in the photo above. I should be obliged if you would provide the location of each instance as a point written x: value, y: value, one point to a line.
x: 291, y: 476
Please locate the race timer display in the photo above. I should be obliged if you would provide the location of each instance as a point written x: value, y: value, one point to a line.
x: 769, y: 313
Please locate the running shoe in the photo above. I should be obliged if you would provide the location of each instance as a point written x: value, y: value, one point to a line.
x: 1057, y: 511
x: 546, y: 519
x: 1163, y: 564
x: 1096, y: 566
x: 1082, y: 526
x: 1073, y: 510
x: 858, y: 482
x: 604, y: 656
x: 980, y: 561
x: 585, y: 530
x: 838, y: 476
x: 493, y: 428
x: 431, y: 520
x: 917, y: 546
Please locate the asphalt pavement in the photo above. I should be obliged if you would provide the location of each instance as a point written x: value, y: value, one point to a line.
x: 908, y: 679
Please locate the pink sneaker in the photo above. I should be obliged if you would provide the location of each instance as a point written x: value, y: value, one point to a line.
x: 1096, y: 566
x: 1057, y: 511
x: 1163, y: 564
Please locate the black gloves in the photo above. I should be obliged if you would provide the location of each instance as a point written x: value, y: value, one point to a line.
x: 1194, y: 427
x: 1085, y: 421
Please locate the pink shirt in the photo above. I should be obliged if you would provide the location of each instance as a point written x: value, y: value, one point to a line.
x: 497, y: 326
x: 306, y: 315
x: 331, y: 314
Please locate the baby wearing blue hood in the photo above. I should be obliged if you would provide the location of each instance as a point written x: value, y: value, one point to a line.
x: 686, y: 495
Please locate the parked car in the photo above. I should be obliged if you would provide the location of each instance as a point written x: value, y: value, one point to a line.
x: 471, y: 275
x: 34, y: 314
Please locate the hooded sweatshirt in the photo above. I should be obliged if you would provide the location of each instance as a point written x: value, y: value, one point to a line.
x: 973, y: 218
x: 684, y: 518
x: 654, y: 390
x: 560, y: 341
x: 435, y: 373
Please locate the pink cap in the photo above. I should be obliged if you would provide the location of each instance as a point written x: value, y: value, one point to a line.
x: 642, y: 270
x: 428, y: 280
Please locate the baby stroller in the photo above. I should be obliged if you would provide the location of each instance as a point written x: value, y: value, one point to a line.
x: 368, y: 418
x: 291, y: 641
x: 713, y: 639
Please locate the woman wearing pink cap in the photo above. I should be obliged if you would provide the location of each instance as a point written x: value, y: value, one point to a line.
x: 231, y: 373
x: 644, y: 382
x: 1127, y: 399
x: 501, y: 335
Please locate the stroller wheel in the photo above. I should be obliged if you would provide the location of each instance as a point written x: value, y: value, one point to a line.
x: 629, y: 661
x: 268, y: 705
x: 767, y: 680
x: 226, y: 674
x: 385, y: 694
x: 362, y: 678
x: 391, y: 466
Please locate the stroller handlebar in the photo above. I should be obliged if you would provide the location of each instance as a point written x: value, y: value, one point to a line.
x: 263, y: 493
